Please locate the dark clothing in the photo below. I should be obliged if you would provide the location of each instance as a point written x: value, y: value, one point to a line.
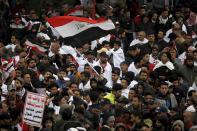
x: 165, y: 27
x: 188, y: 74
x: 162, y: 44
x: 146, y: 27
x: 148, y: 48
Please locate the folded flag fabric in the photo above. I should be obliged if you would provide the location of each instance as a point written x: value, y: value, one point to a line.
x: 77, y: 11
x: 35, y: 46
x: 78, y: 30
x: 6, y: 64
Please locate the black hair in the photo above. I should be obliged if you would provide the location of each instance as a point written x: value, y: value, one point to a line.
x: 145, y: 65
x: 67, y: 114
x: 57, y: 99
x: 98, y: 69
x: 142, y: 71
x: 191, y: 92
x: 118, y: 43
x: 116, y: 70
x: 86, y: 65
x: 139, y: 97
x: 126, y: 79
x: 163, y: 83
x: 29, y: 60
x: 86, y: 74
x: 79, y: 110
x: 53, y: 85
x: 130, y: 75
x: 15, y: 113
x: 94, y: 96
x: 64, y: 92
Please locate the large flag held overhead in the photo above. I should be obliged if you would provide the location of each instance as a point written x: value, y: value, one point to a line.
x: 78, y: 30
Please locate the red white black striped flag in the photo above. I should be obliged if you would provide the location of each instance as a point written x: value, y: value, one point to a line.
x: 35, y: 46
x: 80, y: 30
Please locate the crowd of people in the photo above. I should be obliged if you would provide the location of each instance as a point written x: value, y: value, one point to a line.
x: 142, y: 77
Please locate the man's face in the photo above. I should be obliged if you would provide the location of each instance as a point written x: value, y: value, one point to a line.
x: 61, y: 75
x: 48, y: 124
x: 173, y: 53
x: 143, y: 76
x: 115, y: 77
x: 107, y: 46
x: 165, y: 14
x: 87, y: 68
x: 69, y: 59
x: 47, y: 74
x: 18, y: 84
x: 86, y: 47
x: 103, y: 59
x: 195, y: 56
x: 32, y: 64
x: 124, y: 84
x: 190, y: 63
x: 160, y: 35
x: 131, y: 94
x: 154, y: 17
x: 155, y: 52
x: 188, y: 39
x: 151, y: 38
x: 55, y: 47
x: 53, y: 90
x: 141, y: 36
x: 27, y: 78
x: 146, y: 58
x: 82, y: 77
x: 142, y: 11
x: 21, y: 63
x: 118, y: 93
x: 116, y: 47
x: 175, y: 83
x: 90, y: 57
x: 72, y: 68
x: 177, y: 127
x: 14, y: 40
x: 148, y: 98
x: 164, y: 89
x: 124, y: 67
x: 135, y: 102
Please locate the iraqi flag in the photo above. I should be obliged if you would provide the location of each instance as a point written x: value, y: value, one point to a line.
x: 35, y: 46
x: 78, y: 30
x: 77, y: 11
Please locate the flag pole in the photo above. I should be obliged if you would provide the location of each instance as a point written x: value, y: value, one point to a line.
x: 87, y: 61
x: 93, y: 10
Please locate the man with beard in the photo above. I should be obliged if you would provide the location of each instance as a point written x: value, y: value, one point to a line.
x: 73, y: 71
x: 32, y: 66
x: 14, y: 42
x: 106, y: 69
x: 85, y: 81
x: 189, y: 71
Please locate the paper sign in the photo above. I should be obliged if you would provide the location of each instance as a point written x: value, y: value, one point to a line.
x: 34, y: 109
